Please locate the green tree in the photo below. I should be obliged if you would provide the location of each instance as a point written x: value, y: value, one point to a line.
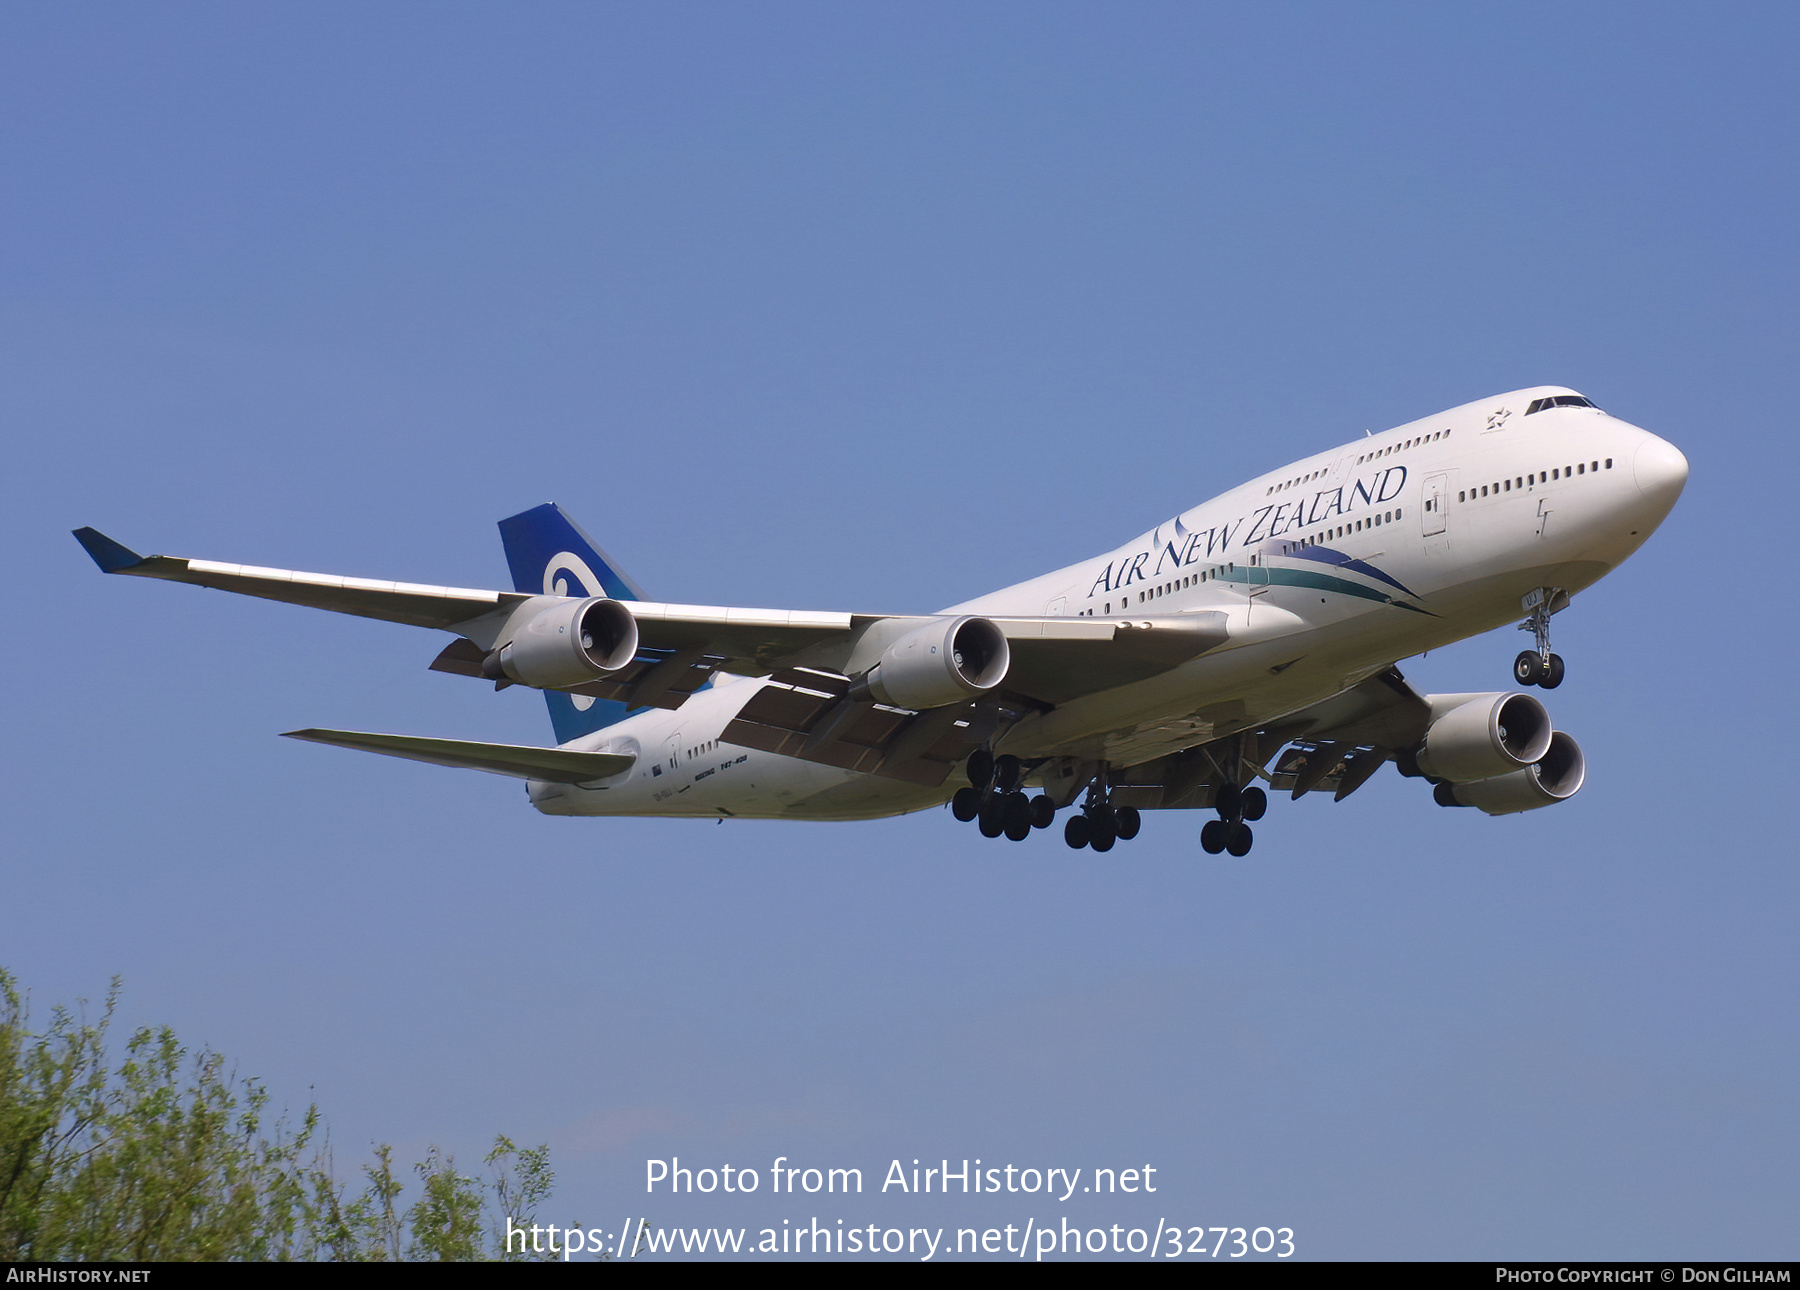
x: 173, y: 1157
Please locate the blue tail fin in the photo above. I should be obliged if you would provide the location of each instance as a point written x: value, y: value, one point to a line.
x: 549, y: 555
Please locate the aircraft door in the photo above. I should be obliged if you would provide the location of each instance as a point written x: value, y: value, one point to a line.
x: 1437, y: 493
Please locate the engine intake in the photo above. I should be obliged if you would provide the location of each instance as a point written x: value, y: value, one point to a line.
x: 568, y: 644
x: 1555, y: 777
x: 945, y: 661
x: 1483, y: 736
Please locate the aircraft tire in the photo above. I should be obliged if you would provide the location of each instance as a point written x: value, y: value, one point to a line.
x: 1253, y: 803
x: 993, y: 816
x: 1212, y: 837
x: 1553, y: 675
x: 1018, y: 816
x: 1043, y: 812
x: 1102, y: 840
x: 1075, y: 832
x: 1238, y: 839
x: 966, y: 805
x: 981, y: 768
x: 1127, y: 822
x: 1007, y: 772
x: 1528, y: 668
x: 1228, y: 801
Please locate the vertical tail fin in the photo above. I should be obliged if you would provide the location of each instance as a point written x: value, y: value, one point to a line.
x: 549, y: 555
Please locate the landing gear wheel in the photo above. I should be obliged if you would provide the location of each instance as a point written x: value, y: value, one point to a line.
x: 1101, y: 835
x: 1007, y: 771
x: 1127, y: 822
x: 1076, y: 832
x: 1238, y: 839
x: 1017, y: 817
x: 1540, y: 666
x: 1229, y: 801
x: 1553, y: 675
x: 993, y: 816
x: 981, y: 768
x: 1043, y: 812
x: 1253, y: 803
x: 1212, y: 837
x: 966, y: 805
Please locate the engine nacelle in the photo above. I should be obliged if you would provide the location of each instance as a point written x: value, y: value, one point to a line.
x: 1483, y: 736
x: 945, y: 661
x: 1553, y: 778
x: 568, y: 644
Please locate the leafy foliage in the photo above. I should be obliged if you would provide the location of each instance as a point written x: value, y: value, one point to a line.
x: 174, y: 1157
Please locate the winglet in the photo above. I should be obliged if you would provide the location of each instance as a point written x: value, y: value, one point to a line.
x: 108, y: 554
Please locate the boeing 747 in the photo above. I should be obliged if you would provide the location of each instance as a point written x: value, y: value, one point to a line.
x: 1245, y: 646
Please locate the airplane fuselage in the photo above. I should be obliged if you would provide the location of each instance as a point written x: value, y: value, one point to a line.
x: 1322, y: 573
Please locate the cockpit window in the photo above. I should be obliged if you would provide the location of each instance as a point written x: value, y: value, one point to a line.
x: 1559, y: 401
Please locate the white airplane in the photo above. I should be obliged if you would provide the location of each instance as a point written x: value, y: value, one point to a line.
x: 1250, y: 639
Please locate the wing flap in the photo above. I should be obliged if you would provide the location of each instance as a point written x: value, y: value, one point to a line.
x: 563, y: 765
x: 1058, y: 664
x: 756, y: 637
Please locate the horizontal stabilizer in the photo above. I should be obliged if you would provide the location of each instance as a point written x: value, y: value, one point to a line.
x: 564, y: 766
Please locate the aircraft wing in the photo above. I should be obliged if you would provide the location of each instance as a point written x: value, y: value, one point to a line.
x: 1054, y: 660
x: 394, y: 602
x: 518, y: 760
x: 750, y: 636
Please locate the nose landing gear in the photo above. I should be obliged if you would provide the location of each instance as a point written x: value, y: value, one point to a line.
x: 1539, y: 666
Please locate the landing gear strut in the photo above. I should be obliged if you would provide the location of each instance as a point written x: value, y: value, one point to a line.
x: 1539, y: 666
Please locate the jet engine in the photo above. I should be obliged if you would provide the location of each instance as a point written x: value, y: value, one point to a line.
x: 1481, y: 736
x: 567, y: 644
x: 1553, y: 778
x: 945, y: 661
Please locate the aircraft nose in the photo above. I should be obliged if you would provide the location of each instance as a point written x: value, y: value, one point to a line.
x: 1660, y: 470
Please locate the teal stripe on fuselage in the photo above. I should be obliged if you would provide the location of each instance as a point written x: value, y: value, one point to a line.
x: 1261, y: 575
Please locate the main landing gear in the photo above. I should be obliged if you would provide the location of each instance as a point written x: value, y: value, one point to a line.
x: 1539, y: 666
x: 994, y: 799
x: 1000, y: 807
x: 1231, y: 832
x: 1100, y: 823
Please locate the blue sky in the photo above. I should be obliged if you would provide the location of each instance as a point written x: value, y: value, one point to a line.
x: 879, y: 307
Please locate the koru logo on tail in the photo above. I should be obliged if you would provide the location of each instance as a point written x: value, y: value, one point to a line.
x: 564, y: 565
